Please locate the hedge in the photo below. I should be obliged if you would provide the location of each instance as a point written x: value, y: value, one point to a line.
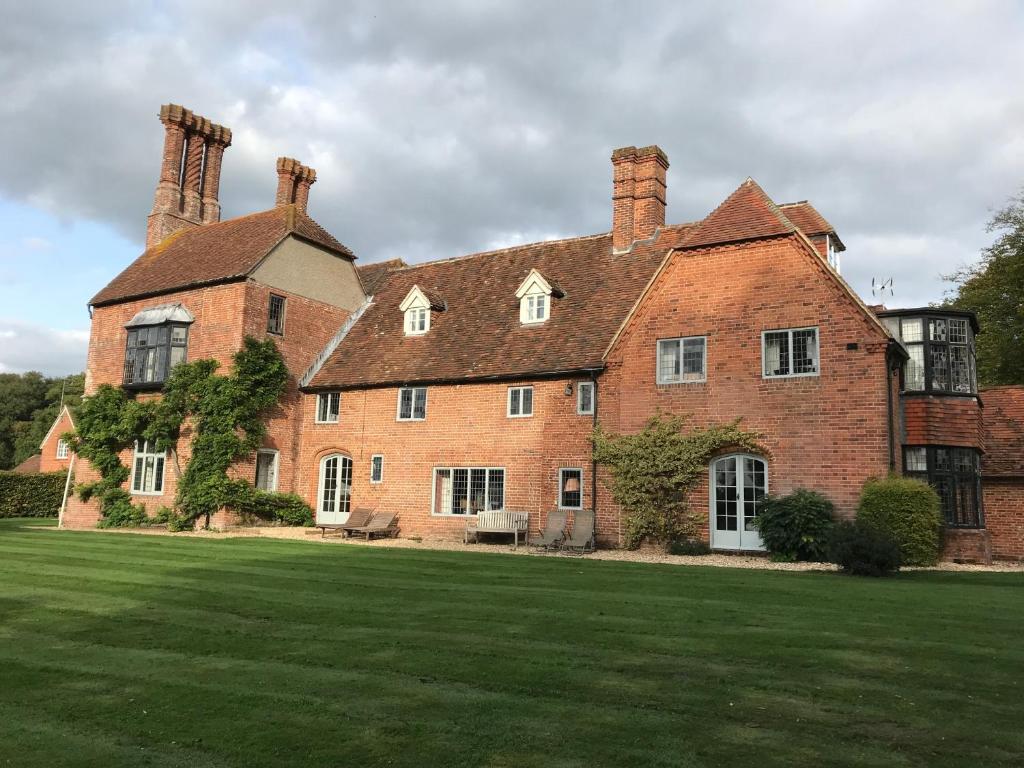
x: 36, y: 495
x: 908, y: 510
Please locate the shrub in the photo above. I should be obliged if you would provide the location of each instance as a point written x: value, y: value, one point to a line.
x: 863, y: 550
x: 909, y: 511
x: 690, y: 547
x: 283, y: 508
x: 796, y: 527
x: 37, y: 495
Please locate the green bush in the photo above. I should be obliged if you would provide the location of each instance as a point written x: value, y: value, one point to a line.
x: 283, y: 508
x: 863, y: 550
x: 689, y: 547
x: 796, y: 527
x: 37, y: 495
x: 909, y: 511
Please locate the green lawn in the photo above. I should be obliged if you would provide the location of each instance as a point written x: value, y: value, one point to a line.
x: 155, y: 651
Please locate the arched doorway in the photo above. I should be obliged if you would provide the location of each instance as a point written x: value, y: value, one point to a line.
x: 334, y: 491
x: 739, y: 484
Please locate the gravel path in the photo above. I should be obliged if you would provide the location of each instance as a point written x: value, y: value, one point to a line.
x: 633, y: 556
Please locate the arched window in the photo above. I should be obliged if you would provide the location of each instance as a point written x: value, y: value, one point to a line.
x: 739, y: 484
x: 334, y: 492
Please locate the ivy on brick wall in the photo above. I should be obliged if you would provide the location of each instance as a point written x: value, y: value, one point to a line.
x: 653, y: 471
x: 223, y: 412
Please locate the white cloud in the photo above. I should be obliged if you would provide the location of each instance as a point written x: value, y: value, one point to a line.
x: 52, y: 351
x: 36, y: 243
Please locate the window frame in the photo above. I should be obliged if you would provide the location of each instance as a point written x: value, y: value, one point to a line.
x: 342, y: 499
x: 561, y: 487
x: 63, y: 450
x: 528, y: 308
x: 416, y: 316
x: 337, y: 413
x: 162, y: 351
x: 579, y: 398
x: 159, y: 459
x: 926, y: 343
x: 975, y: 519
x: 681, y: 346
x: 373, y: 466
x: 469, y: 470
x: 276, y: 468
x: 277, y: 330
x: 520, y: 388
x: 790, y: 332
x: 412, y: 405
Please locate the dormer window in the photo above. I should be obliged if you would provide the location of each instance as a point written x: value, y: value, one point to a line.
x: 534, y: 296
x: 418, y: 307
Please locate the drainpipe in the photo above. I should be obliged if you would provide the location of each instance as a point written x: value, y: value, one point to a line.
x: 593, y: 461
x: 891, y: 367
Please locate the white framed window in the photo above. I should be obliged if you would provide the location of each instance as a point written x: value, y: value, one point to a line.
x: 412, y: 403
x: 275, y: 315
x: 148, y: 469
x: 535, y: 294
x: 266, y: 470
x: 570, y: 488
x: 62, y: 449
x: 328, y: 406
x: 377, y: 468
x: 585, y: 398
x: 520, y: 402
x: 467, y: 490
x: 536, y: 308
x: 790, y: 352
x: 682, y: 360
x: 417, y: 321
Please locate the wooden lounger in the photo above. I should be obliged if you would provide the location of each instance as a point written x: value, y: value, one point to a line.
x: 382, y: 523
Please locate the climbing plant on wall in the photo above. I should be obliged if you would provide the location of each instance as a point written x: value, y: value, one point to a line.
x: 224, y: 416
x: 653, y: 471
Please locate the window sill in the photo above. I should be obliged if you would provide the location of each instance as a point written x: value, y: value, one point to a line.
x: 144, y: 386
x: 147, y: 493
x: 327, y: 423
x: 519, y: 415
x: 935, y: 392
x: 681, y: 382
x: 768, y: 377
x: 402, y: 421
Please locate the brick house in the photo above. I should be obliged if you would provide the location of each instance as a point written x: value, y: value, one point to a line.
x: 441, y: 389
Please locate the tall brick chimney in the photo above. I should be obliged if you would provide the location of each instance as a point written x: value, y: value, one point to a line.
x: 638, y: 194
x: 293, y: 182
x: 187, y: 193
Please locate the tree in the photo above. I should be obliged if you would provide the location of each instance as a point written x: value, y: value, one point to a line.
x: 20, y: 396
x: 29, y: 435
x: 994, y: 290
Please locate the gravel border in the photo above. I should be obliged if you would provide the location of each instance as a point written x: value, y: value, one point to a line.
x: 620, y: 555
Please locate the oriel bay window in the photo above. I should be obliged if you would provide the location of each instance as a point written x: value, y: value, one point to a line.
x: 157, y: 341
x: 468, y: 490
x: 955, y: 476
x: 941, y: 349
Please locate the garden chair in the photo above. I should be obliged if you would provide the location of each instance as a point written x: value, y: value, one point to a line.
x: 382, y: 523
x: 581, y: 541
x: 554, y: 531
x: 359, y: 517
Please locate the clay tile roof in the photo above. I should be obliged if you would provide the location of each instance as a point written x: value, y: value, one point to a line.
x: 214, y: 253
x: 1003, y: 416
x: 746, y: 214
x: 479, y: 335
x: 807, y: 219
x: 374, y: 275
x: 29, y: 466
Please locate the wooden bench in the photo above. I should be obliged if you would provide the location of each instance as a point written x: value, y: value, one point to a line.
x: 497, y: 522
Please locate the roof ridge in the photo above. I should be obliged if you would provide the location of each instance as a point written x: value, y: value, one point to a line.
x: 508, y: 249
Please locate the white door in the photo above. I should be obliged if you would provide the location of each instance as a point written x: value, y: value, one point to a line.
x: 335, y: 489
x: 738, y: 487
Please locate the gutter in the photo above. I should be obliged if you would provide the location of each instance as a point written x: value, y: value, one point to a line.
x: 514, y: 376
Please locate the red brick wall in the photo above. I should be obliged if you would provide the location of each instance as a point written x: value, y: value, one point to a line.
x: 938, y: 420
x: 1004, y: 516
x: 223, y: 316
x: 826, y: 432
x: 466, y: 425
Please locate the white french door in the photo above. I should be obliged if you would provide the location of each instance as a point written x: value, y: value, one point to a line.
x: 334, y: 494
x: 738, y: 486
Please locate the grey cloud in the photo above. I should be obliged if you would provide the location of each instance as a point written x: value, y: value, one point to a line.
x: 440, y: 128
x: 52, y: 351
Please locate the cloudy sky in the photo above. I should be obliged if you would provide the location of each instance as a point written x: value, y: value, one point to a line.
x: 444, y: 128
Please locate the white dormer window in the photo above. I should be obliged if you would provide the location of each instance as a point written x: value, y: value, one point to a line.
x: 534, y: 296
x: 417, y: 305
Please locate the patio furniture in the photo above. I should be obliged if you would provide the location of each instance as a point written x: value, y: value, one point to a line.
x: 359, y: 517
x: 494, y: 521
x: 382, y: 523
x: 554, y: 531
x: 581, y: 541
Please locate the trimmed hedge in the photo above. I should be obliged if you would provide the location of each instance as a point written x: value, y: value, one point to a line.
x: 796, y: 527
x: 37, y: 495
x: 909, y: 511
x: 863, y: 550
x: 282, y: 508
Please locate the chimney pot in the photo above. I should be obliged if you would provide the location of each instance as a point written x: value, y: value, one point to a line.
x: 638, y: 194
x: 293, y: 182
